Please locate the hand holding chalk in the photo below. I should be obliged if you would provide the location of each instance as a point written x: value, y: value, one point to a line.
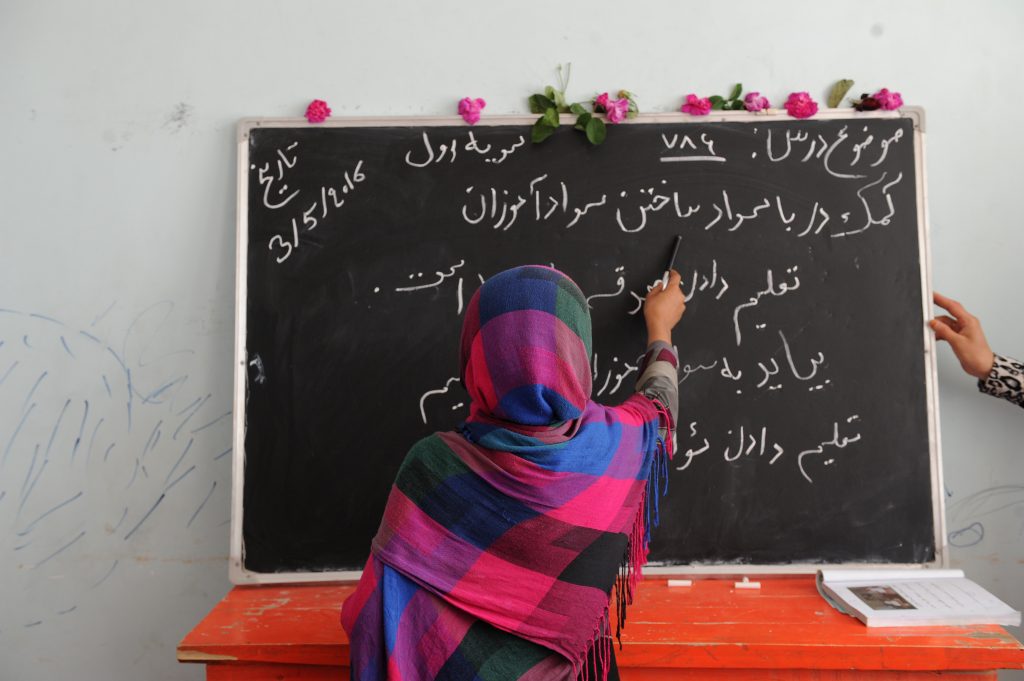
x: 663, y: 308
x: 671, y: 262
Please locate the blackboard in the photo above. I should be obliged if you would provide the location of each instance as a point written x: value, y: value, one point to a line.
x: 807, y: 427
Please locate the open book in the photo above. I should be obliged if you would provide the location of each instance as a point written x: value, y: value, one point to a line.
x: 909, y: 598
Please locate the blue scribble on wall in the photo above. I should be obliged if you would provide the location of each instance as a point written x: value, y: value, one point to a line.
x: 964, y: 517
x: 105, y: 446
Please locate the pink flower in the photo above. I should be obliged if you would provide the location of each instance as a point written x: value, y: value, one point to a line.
x: 601, y: 101
x: 755, y: 102
x: 800, y: 105
x: 317, y: 111
x: 617, y: 110
x: 470, y: 109
x: 888, y: 100
x: 696, y: 106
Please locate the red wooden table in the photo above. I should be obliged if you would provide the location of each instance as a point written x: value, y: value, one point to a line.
x: 707, y: 631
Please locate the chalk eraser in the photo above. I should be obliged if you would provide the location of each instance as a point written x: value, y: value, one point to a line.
x: 680, y: 582
x: 747, y: 584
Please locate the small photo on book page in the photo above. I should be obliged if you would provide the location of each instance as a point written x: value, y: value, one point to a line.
x: 882, y: 598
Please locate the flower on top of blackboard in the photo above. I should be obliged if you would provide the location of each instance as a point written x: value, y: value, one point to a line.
x: 800, y: 105
x: 470, y: 109
x: 617, y: 110
x: 696, y: 106
x: 866, y: 103
x: 551, y: 104
x: 317, y: 111
x: 883, y: 99
x: 888, y: 100
x: 755, y: 101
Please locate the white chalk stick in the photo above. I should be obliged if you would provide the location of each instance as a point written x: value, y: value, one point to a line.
x: 747, y: 584
x: 680, y: 582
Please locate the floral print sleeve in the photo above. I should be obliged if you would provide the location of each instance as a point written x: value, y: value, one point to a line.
x: 1006, y: 380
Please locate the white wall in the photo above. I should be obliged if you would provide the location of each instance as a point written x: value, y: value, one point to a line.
x: 117, y: 235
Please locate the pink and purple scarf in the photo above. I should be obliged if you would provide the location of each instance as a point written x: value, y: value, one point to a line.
x: 501, y: 543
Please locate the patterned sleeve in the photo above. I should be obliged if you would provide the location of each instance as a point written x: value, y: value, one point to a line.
x: 659, y: 379
x: 1006, y: 380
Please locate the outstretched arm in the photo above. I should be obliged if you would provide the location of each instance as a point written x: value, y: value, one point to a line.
x: 658, y: 380
x: 963, y: 332
x: 997, y: 375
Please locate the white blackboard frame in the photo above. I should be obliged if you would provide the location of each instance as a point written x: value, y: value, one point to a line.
x: 237, y: 570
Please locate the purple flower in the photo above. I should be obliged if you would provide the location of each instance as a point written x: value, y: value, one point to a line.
x: 755, y: 102
x: 317, y: 111
x: 617, y: 110
x: 601, y: 102
x: 696, y: 106
x: 800, y: 105
x: 888, y: 100
x: 470, y: 109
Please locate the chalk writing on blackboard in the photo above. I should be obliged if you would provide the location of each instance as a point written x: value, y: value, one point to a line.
x: 449, y: 151
x: 836, y: 441
x: 500, y: 208
x: 744, y: 443
x: 441, y: 276
x: 276, y: 195
x: 437, y: 391
x: 771, y: 290
x: 675, y: 143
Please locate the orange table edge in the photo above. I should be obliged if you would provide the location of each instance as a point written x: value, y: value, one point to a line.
x: 710, y: 630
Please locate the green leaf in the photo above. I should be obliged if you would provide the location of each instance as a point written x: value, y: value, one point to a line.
x: 551, y: 117
x: 736, y: 91
x: 578, y: 109
x: 735, y: 105
x: 582, y: 121
x: 539, y: 104
x: 560, y: 101
x: 541, y: 131
x: 716, y: 102
x: 556, y: 99
x: 596, y: 131
x: 839, y: 90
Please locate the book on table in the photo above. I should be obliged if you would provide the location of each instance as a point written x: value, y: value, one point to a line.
x: 913, y: 597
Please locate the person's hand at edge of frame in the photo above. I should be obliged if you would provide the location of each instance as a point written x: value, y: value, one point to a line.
x: 963, y: 332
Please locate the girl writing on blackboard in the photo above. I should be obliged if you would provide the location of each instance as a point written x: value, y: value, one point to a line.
x: 502, y: 543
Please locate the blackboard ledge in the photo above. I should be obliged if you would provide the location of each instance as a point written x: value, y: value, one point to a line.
x: 752, y: 569
x: 240, y: 576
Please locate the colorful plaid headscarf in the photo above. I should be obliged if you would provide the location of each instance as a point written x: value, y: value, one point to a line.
x: 501, y: 543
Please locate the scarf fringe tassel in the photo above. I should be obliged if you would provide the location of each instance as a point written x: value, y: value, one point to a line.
x: 637, y: 548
